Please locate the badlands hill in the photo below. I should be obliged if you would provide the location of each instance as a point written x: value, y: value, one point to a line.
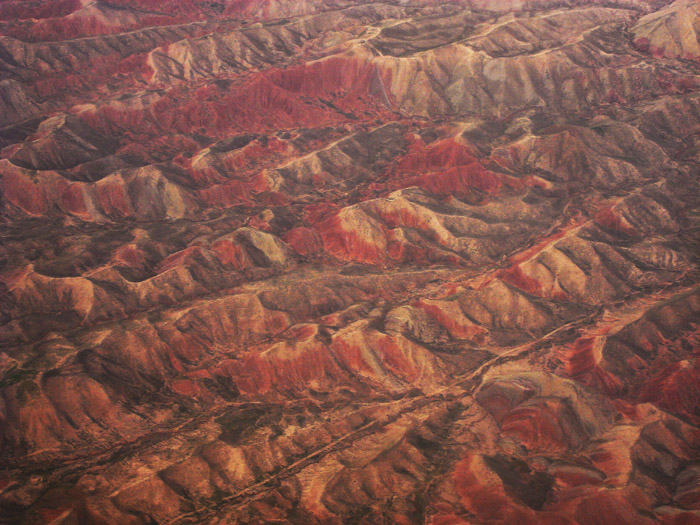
x: 328, y: 262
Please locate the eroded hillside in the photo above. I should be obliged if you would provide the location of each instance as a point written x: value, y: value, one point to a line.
x: 349, y: 261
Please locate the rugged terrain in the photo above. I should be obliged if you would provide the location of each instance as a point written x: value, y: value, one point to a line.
x: 414, y: 261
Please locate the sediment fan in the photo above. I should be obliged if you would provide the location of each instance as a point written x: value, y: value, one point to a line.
x: 349, y: 261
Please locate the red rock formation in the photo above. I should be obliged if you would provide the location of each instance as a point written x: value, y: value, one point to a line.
x: 349, y: 262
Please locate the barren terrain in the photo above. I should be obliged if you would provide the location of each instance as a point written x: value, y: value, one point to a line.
x: 328, y: 262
